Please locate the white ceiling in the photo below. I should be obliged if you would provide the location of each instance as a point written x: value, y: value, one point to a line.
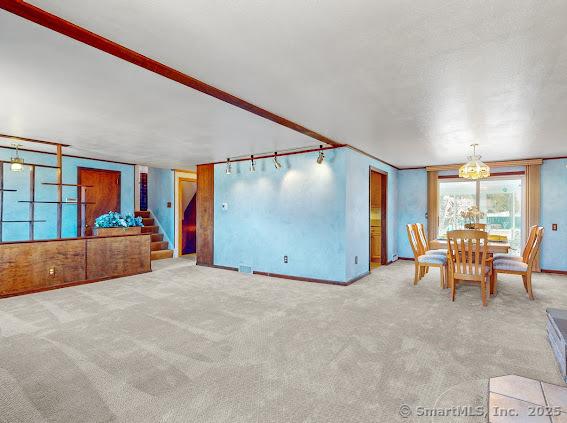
x: 54, y: 88
x: 412, y: 82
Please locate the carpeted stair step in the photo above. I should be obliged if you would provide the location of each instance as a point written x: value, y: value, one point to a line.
x: 161, y: 254
x: 148, y: 221
x: 154, y: 229
x: 159, y: 245
x: 143, y: 214
x: 157, y: 237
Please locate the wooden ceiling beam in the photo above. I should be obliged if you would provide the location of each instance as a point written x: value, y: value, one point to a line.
x: 62, y: 26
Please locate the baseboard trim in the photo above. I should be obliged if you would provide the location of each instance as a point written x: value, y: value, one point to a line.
x: 557, y: 272
x: 214, y: 266
x: 290, y: 277
x: 67, y: 285
x: 405, y: 258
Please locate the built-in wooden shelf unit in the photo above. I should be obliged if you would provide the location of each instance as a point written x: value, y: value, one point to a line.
x: 32, y: 201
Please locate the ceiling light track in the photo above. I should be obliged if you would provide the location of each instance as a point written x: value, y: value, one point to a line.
x: 279, y: 153
x: 62, y: 26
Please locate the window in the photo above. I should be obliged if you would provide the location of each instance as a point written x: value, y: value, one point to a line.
x: 501, y: 199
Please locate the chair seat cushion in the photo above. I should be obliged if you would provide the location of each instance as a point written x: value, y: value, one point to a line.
x: 440, y: 252
x: 432, y: 259
x: 514, y: 265
x: 502, y: 256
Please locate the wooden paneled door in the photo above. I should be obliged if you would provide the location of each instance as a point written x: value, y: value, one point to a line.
x: 103, y: 191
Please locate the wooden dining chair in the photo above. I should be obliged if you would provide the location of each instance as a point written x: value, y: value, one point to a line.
x: 522, y: 267
x: 479, y: 226
x: 469, y: 260
x: 424, y: 242
x: 525, y: 251
x: 424, y: 261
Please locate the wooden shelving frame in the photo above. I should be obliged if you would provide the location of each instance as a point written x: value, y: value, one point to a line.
x: 81, y: 191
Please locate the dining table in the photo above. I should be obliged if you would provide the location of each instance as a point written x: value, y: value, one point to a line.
x: 493, y: 246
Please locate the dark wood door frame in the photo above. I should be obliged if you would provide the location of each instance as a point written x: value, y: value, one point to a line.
x: 80, y: 226
x: 383, y: 216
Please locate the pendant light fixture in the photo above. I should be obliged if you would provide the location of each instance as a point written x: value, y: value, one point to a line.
x: 277, y: 164
x: 228, y: 167
x: 321, y: 156
x: 252, y: 164
x: 16, y: 163
x: 474, y: 168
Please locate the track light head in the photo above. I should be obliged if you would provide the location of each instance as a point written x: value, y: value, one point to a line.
x: 228, y: 167
x: 277, y: 164
x: 321, y: 156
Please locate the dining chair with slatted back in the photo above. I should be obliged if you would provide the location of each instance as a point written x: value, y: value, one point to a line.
x: 524, y: 267
x: 525, y: 251
x: 424, y: 242
x: 425, y: 261
x: 469, y: 260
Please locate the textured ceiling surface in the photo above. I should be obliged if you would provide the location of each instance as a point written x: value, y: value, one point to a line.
x: 412, y: 82
x: 54, y: 88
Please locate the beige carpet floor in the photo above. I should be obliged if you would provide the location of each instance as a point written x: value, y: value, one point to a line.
x: 194, y: 344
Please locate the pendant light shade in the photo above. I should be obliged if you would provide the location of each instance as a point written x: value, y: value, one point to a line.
x: 228, y: 167
x: 16, y: 163
x: 474, y: 168
x: 252, y: 164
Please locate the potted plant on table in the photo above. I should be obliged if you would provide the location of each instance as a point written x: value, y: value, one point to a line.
x: 113, y: 224
x: 472, y: 216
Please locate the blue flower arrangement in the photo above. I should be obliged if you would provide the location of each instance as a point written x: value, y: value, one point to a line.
x: 116, y: 220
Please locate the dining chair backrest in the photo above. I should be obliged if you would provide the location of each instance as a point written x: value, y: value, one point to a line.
x: 468, y: 252
x: 414, y: 243
x: 536, y: 244
x: 479, y: 226
x: 421, y: 237
x: 529, y: 243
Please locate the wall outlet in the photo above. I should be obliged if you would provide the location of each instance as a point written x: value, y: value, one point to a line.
x: 355, y: 259
x: 224, y: 206
x: 285, y: 259
x: 554, y: 226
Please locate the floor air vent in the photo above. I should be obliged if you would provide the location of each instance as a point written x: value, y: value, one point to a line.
x: 245, y: 269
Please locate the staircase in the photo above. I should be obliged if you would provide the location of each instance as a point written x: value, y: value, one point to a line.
x: 158, y: 246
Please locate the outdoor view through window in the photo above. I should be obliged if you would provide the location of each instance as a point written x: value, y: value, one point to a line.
x: 500, y: 201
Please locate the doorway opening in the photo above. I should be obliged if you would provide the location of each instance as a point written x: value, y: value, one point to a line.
x: 187, y: 216
x: 378, y: 189
x: 100, y: 190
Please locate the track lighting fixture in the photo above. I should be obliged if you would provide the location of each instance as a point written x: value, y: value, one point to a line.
x: 16, y: 163
x: 277, y: 164
x: 321, y: 155
x: 252, y: 164
x: 228, y: 167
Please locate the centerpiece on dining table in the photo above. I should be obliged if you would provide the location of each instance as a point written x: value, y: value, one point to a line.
x: 472, y: 217
x: 114, y: 224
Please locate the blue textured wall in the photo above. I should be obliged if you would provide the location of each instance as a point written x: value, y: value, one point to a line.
x: 357, y: 211
x: 21, y: 181
x: 315, y: 214
x: 554, y: 210
x: 160, y: 192
x: 412, y: 205
x: 298, y: 211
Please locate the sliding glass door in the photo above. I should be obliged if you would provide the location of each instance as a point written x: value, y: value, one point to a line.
x: 500, y: 199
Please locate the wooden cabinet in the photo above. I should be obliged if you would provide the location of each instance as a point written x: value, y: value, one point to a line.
x: 375, y: 243
x: 32, y: 266
x: 375, y: 190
